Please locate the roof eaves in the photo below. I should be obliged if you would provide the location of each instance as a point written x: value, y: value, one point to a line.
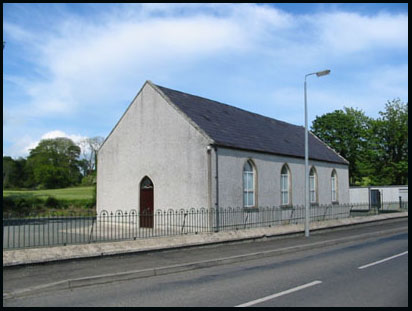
x: 330, y: 148
x: 227, y: 146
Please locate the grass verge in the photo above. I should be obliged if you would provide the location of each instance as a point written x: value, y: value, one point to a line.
x: 60, y: 202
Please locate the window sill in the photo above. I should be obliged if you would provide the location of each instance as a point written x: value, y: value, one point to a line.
x: 286, y: 206
x: 335, y: 203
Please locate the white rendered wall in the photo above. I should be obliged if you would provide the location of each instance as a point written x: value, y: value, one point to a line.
x: 388, y: 193
x: 152, y: 139
x: 268, y: 173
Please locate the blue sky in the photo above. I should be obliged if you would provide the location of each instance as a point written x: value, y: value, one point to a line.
x: 72, y: 69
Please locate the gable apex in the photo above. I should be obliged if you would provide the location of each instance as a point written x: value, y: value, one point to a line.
x: 178, y: 110
x: 148, y: 82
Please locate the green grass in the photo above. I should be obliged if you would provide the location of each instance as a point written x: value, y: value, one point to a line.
x: 65, y: 201
x: 65, y: 194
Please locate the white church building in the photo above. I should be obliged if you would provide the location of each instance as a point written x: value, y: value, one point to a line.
x: 173, y: 150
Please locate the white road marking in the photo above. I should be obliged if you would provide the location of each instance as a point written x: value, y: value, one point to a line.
x: 253, y: 302
x: 383, y: 260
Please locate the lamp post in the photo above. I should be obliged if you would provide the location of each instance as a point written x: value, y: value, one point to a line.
x: 319, y: 74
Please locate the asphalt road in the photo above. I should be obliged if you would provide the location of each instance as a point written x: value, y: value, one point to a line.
x: 370, y: 272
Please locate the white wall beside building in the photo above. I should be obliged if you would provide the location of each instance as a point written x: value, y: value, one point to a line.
x: 388, y: 193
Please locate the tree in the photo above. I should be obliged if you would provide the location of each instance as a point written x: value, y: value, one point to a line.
x: 377, y: 149
x: 16, y: 173
x: 89, y: 147
x: 390, y: 144
x: 9, y: 168
x: 347, y: 132
x: 54, y: 163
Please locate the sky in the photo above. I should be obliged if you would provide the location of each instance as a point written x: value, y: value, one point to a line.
x: 71, y: 70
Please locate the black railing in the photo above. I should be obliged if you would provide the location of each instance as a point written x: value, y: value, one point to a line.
x: 115, y: 226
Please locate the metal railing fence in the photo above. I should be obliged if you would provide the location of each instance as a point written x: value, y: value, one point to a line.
x: 43, y: 231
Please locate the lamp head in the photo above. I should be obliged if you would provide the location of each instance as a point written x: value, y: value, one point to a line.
x: 323, y: 73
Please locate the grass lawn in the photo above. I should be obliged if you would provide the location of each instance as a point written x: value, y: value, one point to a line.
x: 65, y: 194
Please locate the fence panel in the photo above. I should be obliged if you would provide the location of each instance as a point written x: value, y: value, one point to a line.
x: 130, y: 225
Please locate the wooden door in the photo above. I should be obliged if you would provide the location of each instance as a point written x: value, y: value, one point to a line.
x: 146, y: 203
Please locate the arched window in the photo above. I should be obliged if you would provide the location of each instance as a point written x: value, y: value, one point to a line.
x: 249, y: 184
x: 146, y: 183
x: 313, y: 186
x: 334, y: 186
x: 285, y: 185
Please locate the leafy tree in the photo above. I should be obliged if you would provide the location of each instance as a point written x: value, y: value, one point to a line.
x: 347, y: 132
x: 15, y: 173
x: 54, y: 163
x: 9, y: 169
x: 377, y: 149
x: 389, y: 151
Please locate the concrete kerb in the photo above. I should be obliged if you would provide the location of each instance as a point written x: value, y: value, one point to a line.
x: 106, y: 278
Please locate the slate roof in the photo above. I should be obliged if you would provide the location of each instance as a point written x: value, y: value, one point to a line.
x: 232, y: 127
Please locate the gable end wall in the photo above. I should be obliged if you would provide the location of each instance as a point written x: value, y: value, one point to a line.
x: 152, y: 139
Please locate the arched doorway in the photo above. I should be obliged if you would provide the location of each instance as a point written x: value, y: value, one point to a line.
x: 146, y: 203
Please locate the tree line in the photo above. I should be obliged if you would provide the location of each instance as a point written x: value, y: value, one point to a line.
x: 377, y: 149
x: 53, y: 163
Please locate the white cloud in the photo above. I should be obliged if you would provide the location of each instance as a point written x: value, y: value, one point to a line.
x: 118, y: 46
x: 20, y: 146
x: 85, y: 63
x: 88, y: 62
x: 88, y: 65
x: 58, y: 133
x: 49, y: 135
x: 350, y: 32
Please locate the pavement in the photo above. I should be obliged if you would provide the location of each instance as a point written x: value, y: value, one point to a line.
x: 31, y: 271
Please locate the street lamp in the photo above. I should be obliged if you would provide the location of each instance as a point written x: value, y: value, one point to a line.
x: 319, y: 74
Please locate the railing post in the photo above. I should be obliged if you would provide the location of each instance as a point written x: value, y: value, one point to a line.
x: 184, y: 221
x: 91, y: 230
x: 247, y: 215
